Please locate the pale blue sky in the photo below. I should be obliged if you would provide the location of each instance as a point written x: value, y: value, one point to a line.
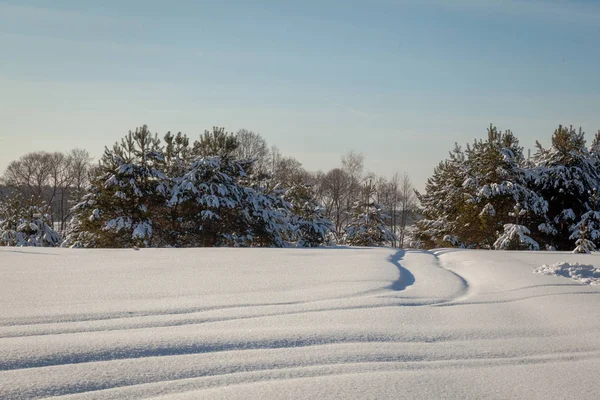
x: 399, y: 81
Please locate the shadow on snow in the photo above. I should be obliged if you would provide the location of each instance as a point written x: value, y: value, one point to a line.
x: 406, y: 277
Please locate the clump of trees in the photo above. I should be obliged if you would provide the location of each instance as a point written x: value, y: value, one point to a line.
x: 53, y: 182
x: 222, y: 189
x: 490, y: 196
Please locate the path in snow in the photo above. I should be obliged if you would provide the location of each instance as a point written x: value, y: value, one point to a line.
x: 268, y: 323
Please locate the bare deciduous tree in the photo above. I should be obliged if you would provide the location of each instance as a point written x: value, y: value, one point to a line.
x: 47, y: 179
x: 286, y: 170
x: 398, y: 200
x: 252, y: 146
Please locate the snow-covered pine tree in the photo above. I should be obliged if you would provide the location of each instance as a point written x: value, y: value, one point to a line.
x: 470, y: 196
x: 496, y: 184
x: 583, y: 245
x: 367, y: 226
x: 218, y: 210
x: 126, y: 192
x: 24, y: 223
x: 84, y: 227
x: 442, y: 202
x: 586, y: 232
x: 209, y: 198
x: 312, y: 226
x: 565, y: 175
x: 178, y: 157
x: 268, y: 220
x: 516, y: 236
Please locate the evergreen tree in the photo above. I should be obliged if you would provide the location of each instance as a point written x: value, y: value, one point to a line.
x: 24, y: 223
x: 469, y: 199
x: 497, y: 184
x: 84, y: 227
x: 178, y: 157
x: 583, y: 244
x: 516, y: 236
x: 219, y: 210
x: 127, y: 191
x: 565, y: 175
x: 367, y: 226
x: 312, y: 226
x: 216, y: 143
x: 443, y: 202
x: 586, y: 232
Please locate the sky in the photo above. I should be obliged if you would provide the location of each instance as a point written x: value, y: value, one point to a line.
x: 399, y: 81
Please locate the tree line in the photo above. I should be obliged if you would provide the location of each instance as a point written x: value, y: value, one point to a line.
x: 222, y: 189
x: 488, y: 195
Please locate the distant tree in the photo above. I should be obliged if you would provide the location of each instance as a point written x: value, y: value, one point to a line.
x: 408, y: 204
x: 80, y: 170
x: 252, y: 146
x: 398, y: 200
x: 335, y: 191
x: 286, y: 171
x: 52, y: 181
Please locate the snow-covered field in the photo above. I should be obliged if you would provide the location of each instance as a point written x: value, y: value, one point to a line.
x: 286, y: 323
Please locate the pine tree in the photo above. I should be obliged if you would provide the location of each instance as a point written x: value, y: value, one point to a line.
x: 497, y: 183
x: 470, y: 196
x: 516, y: 236
x: 127, y: 191
x: 216, y: 143
x: 367, y: 226
x: 565, y: 175
x: 220, y: 210
x: 443, y: 202
x: 24, y: 223
x: 209, y: 197
x: 312, y: 226
x: 583, y: 245
x: 586, y: 232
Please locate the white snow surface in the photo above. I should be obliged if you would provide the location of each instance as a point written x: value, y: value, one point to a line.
x: 295, y: 324
x: 587, y: 274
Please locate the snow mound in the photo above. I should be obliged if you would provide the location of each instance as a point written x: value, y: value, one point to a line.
x: 587, y: 274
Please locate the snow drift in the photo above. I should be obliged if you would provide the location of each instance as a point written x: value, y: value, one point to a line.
x: 587, y: 274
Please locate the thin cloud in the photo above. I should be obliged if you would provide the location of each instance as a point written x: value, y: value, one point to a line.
x: 353, y: 110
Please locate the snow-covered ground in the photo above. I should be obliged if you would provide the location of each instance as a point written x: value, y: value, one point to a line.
x: 286, y: 323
